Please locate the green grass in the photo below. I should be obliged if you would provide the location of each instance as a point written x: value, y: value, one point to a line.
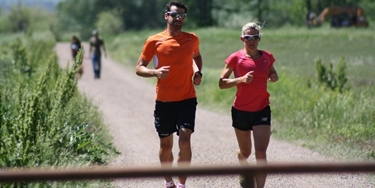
x: 340, y: 125
x: 44, y: 120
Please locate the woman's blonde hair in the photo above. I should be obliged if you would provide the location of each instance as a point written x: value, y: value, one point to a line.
x: 251, y: 25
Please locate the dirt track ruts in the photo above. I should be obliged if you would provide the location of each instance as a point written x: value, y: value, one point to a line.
x: 127, y: 101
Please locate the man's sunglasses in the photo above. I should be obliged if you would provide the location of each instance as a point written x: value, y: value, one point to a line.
x: 251, y: 37
x: 176, y: 14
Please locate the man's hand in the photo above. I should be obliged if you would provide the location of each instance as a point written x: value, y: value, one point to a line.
x: 197, y: 79
x: 162, y: 72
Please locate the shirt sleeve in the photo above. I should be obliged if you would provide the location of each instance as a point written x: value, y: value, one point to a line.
x: 272, y: 59
x: 148, y: 50
x: 196, y: 46
x: 232, y: 61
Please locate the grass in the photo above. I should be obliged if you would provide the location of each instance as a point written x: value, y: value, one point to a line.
x: 44, y: 121
x: 340, y: 125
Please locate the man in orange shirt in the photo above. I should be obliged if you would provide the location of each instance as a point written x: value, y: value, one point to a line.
x: 177, y: 67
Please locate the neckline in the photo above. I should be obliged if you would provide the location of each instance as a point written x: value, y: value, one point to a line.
x: 249, y: 56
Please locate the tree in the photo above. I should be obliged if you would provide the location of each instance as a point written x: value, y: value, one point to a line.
x: 19, y: 18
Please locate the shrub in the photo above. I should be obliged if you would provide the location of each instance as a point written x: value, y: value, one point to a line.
x: 44, y: 120
x: 335, y: 81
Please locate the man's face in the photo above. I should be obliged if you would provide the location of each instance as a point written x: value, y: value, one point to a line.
x: 175, y: 17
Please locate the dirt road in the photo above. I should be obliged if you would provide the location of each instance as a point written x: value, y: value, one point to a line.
x: 127, y: 103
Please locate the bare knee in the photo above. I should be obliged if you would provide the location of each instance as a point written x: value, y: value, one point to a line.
x: 184, y: 144
x: 244, y: 153
x: 166, y: 144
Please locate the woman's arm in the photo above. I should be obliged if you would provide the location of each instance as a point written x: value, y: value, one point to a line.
x: 225, y: 82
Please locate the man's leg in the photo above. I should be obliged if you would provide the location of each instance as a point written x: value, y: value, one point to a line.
x: 184, y: 156
x: 99, y: 60
x: 261, y: 135
x: 93, y: 63
x: 165, y: 154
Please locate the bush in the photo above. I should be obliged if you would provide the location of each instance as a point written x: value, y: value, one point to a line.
x: 44, y: 120
x: 334, y: 81
x: 109, y: 23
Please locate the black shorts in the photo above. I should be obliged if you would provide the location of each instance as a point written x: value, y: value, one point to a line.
x: 245, y: 121
x: 169, y: 117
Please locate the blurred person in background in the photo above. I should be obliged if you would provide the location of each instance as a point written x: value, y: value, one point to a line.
x: 96, y: 48
x: 75, y: 47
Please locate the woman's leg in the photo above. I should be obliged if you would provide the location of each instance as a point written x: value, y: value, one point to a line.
x: 261, y: 134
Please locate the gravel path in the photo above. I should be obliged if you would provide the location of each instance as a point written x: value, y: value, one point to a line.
x: 127, y: 103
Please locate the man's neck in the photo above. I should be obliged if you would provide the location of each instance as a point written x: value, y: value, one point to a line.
x: 173, y: 32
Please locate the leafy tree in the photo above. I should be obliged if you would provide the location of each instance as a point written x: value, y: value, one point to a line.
x: 77, y: 15
x: 20, y: 18
x: 108, y: 22
x: 82, y: 15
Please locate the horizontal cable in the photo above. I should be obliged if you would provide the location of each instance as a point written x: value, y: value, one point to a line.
x: 92, y: 173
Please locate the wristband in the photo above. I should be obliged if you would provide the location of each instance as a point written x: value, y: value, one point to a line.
x: 200, y: 73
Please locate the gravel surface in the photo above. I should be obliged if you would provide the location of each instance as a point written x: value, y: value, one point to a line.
x: 127, y: 102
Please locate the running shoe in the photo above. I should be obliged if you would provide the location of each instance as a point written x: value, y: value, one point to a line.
x: 170, y: 185
x: 242, y: 181
x: 181, y: 185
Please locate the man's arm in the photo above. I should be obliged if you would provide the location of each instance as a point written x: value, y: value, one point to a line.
x: 198, y: 62
x: 142, y: 70
x: 103, y: 48
x: 90, y: 47
x: 197, y: 68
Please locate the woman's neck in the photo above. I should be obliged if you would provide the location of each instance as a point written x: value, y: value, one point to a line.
x: 254, y: 54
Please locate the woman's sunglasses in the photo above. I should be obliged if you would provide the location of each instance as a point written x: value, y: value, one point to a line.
x: 251, y: 37
x: 176, y: 14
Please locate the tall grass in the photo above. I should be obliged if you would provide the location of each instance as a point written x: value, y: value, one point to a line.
x: 339, y: 124
x: 44, y: 120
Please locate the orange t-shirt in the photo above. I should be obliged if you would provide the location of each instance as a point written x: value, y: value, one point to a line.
x: 176, y: 52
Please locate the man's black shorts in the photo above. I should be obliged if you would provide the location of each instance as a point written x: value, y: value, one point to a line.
x: 245, y: 121
x: 169, y: 117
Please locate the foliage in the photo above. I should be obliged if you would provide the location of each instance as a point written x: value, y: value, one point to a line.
x: 137, y: 15
x: 44, y: 120
x: 232, y: 15
x: 332, y: 80
x: 20, y: 19
x: 24, y: 19
x: 109, y: 23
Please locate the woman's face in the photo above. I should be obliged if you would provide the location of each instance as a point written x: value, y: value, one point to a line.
x: 251, y: 38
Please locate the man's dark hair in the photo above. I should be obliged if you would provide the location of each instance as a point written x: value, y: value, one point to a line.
x: 178, y: 4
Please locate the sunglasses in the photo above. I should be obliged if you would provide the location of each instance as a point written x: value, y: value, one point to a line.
x: 251, y: 37
x: 176, y: 14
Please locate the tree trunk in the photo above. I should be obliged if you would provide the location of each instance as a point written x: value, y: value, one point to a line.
x: 260, y: 10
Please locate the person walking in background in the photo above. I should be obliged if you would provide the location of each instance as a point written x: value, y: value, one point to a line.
x: 96, y: 48
x: 177, y: 67
x: 75, y: 47
x: 250, y: 111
